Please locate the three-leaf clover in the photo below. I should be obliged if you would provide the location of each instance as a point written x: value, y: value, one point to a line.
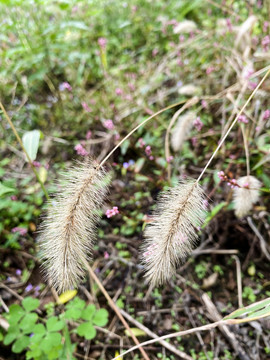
x: 22, y: 321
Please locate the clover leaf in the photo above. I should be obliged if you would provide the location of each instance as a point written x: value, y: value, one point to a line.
x: 86, y: 330
x: 101, y: 317
x: 30, y: 303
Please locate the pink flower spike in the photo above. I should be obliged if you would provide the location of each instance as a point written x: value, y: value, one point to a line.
x: 112, y: 212
x: 88, y: 135
x: 148, y: 150
x: 102, y: 42
x: 266, y: 114
x: 86, y: 107
x: 169, y: 159
x: 243, y: 119
x: 36, y: 164
x: 80, y: 150
x: 108, y: 124
x: 141, y: 142
x: 118, y: 91
x: 198, y: 123
x: 204, y: 104
x: 20, y: 230
x: 209, y: 70
x: 65, y: 86
x: 106, y: 255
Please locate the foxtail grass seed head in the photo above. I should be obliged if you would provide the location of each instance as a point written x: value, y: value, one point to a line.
x: 67, y: 233
x: 246, y: 195
x: 171, y: 235
x: 181, y: 130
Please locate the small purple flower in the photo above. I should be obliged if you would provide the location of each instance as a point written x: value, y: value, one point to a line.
x: 80, y: 150
x: 20, y: 230
x: 266, y: 114
x: 243, y: 119
x: 65, y: 86
x: 106, y: 255
x: 102, y: 42
x: 29, y: 287
x: 86, y: 107
x: 18, y: 272
x: 125, y: 165
x: 13, y: 198
x: 198, y: 123
x: 108, y: 124
x: 265, y: 26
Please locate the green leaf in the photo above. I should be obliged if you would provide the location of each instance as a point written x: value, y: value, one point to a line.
x: 53, y: 324
x: 73, y: 314
x: 86, y: 330
x: 50, y: 340
x: 30, y: 141
x: 20, y: 344
x: 12, y: 334
x: 15, y: 314
x: 5, y: 189
x: 101, y: 317
x: 30, y: 303
x: 39, y: 331
x: 28, y: 322
x: 88, y: 313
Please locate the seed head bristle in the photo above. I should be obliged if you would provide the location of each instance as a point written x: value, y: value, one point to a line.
x: 181, y: 130
x: 246, y: 195
x: 67, y: 233
x: 172, y: 233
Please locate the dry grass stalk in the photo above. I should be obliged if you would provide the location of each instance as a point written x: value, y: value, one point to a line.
x: 246, y: 195
x: 67, y: 233
x: 172, y: 233
x: 181, y: 130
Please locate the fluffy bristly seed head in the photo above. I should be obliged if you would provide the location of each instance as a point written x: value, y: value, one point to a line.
x: 246, y: 195
x: 67, y: 233
x: 181, y: 130
x: 171, y: 235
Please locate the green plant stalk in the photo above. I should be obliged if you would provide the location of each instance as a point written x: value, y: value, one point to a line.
x: 24, y: 150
